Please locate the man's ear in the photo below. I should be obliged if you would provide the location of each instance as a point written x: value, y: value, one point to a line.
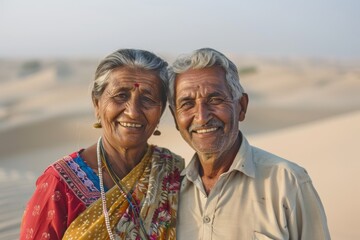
x: 173, y: 114
x: 243, y: 102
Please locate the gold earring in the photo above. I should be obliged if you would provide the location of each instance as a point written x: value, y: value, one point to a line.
x: 157, y: 132
x: 97, y: 124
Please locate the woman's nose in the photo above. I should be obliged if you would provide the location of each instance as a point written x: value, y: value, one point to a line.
x: 132, y: 108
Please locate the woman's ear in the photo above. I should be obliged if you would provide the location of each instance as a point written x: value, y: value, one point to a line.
x: 243, y: 102
x: 96, y: 106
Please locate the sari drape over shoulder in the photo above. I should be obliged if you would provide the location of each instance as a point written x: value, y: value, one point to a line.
x: 154, y: 184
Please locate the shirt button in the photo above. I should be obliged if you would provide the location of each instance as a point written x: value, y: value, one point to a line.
x: 206, y: 219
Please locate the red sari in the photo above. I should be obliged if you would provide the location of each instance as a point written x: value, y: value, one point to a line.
x: 62, y: 192
x: 69, y: 187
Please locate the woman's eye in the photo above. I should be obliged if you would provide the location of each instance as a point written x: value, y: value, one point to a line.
x: 121, y: 96
x: 148, y: 99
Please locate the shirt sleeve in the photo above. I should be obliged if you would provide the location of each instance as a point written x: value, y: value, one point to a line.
x: 45, y: 216
x: 308, y: 219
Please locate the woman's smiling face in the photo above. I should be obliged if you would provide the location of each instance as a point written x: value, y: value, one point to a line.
x: 130, y: 107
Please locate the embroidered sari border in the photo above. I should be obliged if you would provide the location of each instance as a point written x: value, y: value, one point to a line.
x: 76, y: 180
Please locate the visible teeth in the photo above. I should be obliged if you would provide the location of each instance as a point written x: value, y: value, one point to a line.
x: 132, y: 125
x: 206, y: 130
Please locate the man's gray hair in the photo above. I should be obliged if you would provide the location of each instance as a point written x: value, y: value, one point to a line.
x: 204, y: 58
x: 134, y: 58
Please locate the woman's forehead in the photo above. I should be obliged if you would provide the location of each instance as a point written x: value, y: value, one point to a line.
x: 134, y: 78
x: 130, y: 86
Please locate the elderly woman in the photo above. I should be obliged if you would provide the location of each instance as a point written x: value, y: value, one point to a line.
x: 121, y: 187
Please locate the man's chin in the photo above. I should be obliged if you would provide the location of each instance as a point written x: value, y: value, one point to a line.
x: 207, y: 150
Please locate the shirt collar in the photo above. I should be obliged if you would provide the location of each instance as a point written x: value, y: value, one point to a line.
x: 191, y: 171
x: 243, y: 162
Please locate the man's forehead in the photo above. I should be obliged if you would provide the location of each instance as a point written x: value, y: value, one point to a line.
x: 201, y: 78
x: 201, y: 91
x: 213, y: 69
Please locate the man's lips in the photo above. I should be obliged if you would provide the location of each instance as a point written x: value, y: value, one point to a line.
x: 205, y: 130
x: 210, y: 127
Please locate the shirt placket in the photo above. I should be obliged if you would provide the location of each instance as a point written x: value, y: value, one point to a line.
x: 211, y: 202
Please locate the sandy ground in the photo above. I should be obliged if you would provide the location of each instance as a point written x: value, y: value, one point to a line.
x: 304, y: 110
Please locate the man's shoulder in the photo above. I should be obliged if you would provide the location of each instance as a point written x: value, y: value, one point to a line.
x: 273, y: 166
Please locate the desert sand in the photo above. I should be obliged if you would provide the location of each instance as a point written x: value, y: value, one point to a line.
x: 307, y: 111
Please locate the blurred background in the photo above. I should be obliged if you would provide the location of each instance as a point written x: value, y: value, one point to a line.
x: 298, y: 61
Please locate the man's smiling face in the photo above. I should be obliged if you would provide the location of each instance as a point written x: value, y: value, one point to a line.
x: 206, y: 114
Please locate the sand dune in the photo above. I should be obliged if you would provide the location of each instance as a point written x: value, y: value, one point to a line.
x: 15, y: 91
x: 305, y: 111
x: 328, y: 149
x: 15, y: 189
x: 22, y: 88
x: 304, y: 84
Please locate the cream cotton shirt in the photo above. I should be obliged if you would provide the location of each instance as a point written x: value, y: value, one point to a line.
x: 262, y: 196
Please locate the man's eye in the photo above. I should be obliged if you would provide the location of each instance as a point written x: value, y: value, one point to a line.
x: 187, y: 104
x: 216, y: 100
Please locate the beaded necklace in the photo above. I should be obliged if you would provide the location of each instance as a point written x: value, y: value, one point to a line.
x: 102, y: 158
x: 102, y: 191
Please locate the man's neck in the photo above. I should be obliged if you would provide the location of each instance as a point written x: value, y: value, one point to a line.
x: 212, y: 168
x: 212, y: 165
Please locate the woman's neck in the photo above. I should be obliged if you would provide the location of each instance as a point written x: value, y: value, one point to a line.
x: 123, y: 160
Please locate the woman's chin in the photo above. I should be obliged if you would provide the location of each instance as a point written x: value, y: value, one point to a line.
x: 132, y: 142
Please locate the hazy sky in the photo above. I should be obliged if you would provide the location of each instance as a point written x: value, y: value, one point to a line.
x: 89, y: 28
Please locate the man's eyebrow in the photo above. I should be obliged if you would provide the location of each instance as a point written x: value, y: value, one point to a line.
x: 215, y: 94
x: 185, y: 98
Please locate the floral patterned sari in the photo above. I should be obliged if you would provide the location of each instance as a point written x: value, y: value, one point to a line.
x: 154, y: 185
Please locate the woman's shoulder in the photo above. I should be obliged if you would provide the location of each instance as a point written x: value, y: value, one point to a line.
x: 52, y: 178
x: 75, y: 173
x: 168, y: 155
x: 65, y: 161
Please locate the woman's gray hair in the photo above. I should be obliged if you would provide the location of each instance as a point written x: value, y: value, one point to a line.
x: 134, y: 58
x: 204, y: 58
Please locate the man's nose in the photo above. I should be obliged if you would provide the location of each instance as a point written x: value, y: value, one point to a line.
x: 203, y: 113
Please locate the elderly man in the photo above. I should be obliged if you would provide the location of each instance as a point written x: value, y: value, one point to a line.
x: 230, y: 189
